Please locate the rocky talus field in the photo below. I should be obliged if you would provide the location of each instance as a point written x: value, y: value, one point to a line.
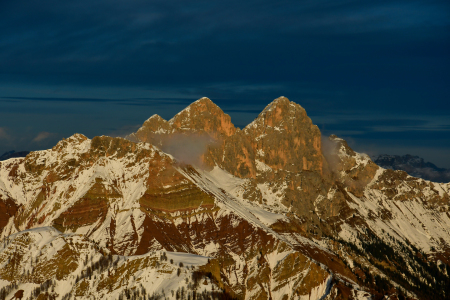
x: 195, y: 208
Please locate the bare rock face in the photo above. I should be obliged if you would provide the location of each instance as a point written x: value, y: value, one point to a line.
x: 284, y: 137
x: 353, y: 169
x: 201, y: 118
x: 281, y: 137
x: 153, y: 131
x: 204, y: 115
x: 90, y: 209
x: 234, y: 154
x: 8, y: 209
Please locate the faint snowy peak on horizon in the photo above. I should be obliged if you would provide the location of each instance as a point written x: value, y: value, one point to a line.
x: 414, y: 166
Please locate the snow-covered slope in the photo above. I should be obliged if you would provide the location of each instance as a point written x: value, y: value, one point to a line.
x: 45, y: 261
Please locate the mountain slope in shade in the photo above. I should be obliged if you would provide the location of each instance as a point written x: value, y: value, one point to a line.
x: 413, y: 165
x: 272, y: 211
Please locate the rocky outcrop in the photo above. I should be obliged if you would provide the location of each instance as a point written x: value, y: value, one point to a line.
x: 90, y: 209
x: 8, y: 209
x: 154, y: 131
x: 354, y: 170
x: 169, y: 191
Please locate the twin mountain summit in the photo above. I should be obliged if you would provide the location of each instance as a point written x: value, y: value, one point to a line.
x: 195, y: 208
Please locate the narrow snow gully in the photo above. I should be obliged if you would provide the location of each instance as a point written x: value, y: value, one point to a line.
x: 329, y: 285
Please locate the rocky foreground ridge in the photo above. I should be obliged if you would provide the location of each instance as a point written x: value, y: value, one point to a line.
x: 195, y: 208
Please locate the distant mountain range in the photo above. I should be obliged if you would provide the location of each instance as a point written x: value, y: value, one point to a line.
x: 414, y: 166
x: 12, y: 154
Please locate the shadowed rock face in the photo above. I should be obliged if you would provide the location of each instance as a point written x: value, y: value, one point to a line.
x: 8, y: 209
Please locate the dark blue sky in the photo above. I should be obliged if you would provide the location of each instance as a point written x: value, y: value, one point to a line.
x: 373, y: 72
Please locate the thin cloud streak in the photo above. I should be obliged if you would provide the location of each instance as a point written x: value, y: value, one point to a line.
x: 3, y: 134
x: 42, y: 136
